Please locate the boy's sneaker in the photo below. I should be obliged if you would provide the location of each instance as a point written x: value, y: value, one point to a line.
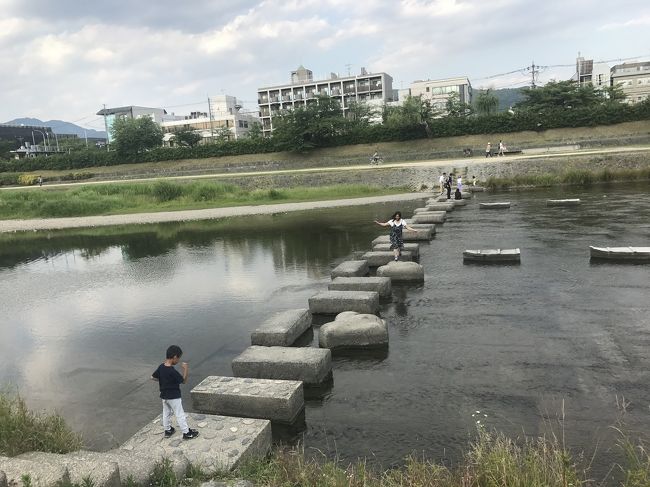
x: 190, y: 434
x: 170, y: 432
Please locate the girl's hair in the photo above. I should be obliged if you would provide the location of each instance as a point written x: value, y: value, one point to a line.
x: 395, y: 214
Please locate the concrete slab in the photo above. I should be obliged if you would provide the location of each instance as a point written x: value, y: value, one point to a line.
x: 351, y: 331
x: 476, y: 189
x: 282, y: 329
x: 40, y: 474
x: 462, y: 202
x: 420, y: 233
x: 440, y: 207
x: 379, y: 285
x: 351, y: 268
x: 419, y: 210
x: 102, y: 473
x: 430, y: 217
x: 335, y: 302
x: 222, y: 443
x: 378, y: 258
x: 381, y: 240
x: 309, y: 365
x: 275, y: 400
x: 492, y: 255
x: 494, y: 206
x: 569, y: 202
x: 402, y: 272
x: 412, y: 247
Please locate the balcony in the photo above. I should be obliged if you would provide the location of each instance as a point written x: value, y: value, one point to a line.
x: 275, y: 99
x: 298, y: 96
x: 336, y: 92
x: 286, y: 97
x: 309, y: 96
x: 363, y: 88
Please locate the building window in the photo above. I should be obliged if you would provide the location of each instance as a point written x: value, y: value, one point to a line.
x: 427, y: 89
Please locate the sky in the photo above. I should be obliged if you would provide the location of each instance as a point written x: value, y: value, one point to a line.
x: 65, y: 59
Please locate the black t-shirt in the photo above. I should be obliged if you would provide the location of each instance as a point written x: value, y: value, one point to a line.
x: 169, y: 380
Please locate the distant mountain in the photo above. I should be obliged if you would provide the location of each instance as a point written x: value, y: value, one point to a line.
x: 60, y: 127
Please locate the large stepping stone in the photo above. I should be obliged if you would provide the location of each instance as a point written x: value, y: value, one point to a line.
x: 430, y: 217
x: 379, y: 285
x: 475, y: 189
x: 275, y: 400
x: 102, y: 473
x: 462, y: 202
x: 351, y: 268
x: 419, y: 210
x: 353, y: 330
x: 412, y: 247
x: 382, y: 239
x: 494, y: 206
x: 569, y: 202
x: 309, y: 365
x: 282, y: 329
x: 222, y: 443
x: 335, y: 302
x: 402, y: 272
x: 492, y: 255
x: 440, y: 206
x: 40, y: 474
x: 378, y: 258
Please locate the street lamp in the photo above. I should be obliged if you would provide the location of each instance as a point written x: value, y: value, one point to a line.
x: 40, y: 132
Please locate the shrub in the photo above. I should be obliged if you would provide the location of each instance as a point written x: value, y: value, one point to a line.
x: 9, y: 179
x: 27, y: 179
x: 166, y: 191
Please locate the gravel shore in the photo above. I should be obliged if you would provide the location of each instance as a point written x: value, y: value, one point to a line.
x: 189, y: 215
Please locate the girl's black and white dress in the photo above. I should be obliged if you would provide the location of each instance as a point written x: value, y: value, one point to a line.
x: 396, y: 241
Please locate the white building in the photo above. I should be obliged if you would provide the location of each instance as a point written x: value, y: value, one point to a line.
x: 589, y: 72
x: 225, y: 118
x: 371, y: 88
x: 634, y: 79
x: 131, y: 111
x: 438, y: 91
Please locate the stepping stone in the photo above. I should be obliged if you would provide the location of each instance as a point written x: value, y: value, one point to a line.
x: 492, y: 255
x: 440, y: 207
x: 570, y: 202
x: 312, y: 366
x: 402, y: 272
x: 421, y: 233
x: 494, y: 206
x: 335, y: 302
x: 353, y: 330
x: 414, y: 248
x: 222, y: 443
x: 383, y: 239
x: 475, y: 189
x: 103, y: 473
x: 40, y: 474
x: 419, y: 210
x: 379, y: 285
x: 282, y: 329
x: 430, y: 217
x: 351, y: 268
x: 378, y: 258
x: 459, y: 202
x: 443, y: 197
x: 275, y: 400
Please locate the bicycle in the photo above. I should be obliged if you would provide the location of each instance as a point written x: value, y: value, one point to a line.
x: 375, y: 161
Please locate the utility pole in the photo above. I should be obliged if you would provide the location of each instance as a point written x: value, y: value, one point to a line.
x: 534, y: 72
x: 106, y: 129
x: 348, y: 66
x: 211, y: 124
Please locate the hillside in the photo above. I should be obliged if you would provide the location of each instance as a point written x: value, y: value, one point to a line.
x: 60, y: 127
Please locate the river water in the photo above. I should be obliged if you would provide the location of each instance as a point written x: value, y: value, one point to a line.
x: 86, y: 317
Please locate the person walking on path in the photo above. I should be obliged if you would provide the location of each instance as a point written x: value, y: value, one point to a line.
x: 442, y: 180
x: 396, y: 225
x: 169, y: 381
x: 473, y: 180
x: 459, y: 183
x: 502, y: 148
x: 448, y: 184
x: 488, y: 150
x: 40, y: 180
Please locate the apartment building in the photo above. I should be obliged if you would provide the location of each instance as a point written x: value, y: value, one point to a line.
x: 438, y: 91
x: 225, y: 118
x: 589, y: 72
x: 371, y: 88
x: 634, y: 79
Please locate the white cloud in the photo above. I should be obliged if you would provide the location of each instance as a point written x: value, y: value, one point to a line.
x: 635, y: 22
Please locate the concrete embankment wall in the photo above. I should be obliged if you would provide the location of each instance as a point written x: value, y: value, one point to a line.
x: 482, y: 168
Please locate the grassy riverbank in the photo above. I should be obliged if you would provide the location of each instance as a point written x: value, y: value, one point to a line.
x: 572, y: 177
x: 110, y: 199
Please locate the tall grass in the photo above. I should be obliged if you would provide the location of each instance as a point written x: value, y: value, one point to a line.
x: 577, y: 177
x: 162, y: 196
x: 22, y: 430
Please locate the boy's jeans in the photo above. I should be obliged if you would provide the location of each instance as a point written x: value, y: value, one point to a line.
x: 175, y: 407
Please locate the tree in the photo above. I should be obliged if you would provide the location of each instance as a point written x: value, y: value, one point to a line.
x: 223, y: 134
x: 615, y: 94
x: 255, y: 131
x: 456, y: 108
x: 187, y: 138
x: 135, y: 135
x: 486, y: 103
x: 361, y: 114
x: 564, y: 94
x: 414, y: 111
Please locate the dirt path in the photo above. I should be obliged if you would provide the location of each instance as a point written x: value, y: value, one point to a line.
x: 188, y: 215
x: 428, y: 163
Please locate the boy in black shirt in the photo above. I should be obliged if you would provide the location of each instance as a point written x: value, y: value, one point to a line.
x: 170, y: 392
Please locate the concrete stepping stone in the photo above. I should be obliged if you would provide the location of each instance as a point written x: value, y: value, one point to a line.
x: 351, y: 268
x: 222, y: 443
x: 462, y: 202
x: 282, y: 329
x: 419, y: 210
x: 475, y: 189
x: 430, y: 217
x: 309, y: 365
x: 402, y: 272
x: 379, y: 285
x: 335, y: 302
x: 102, y: 473
x: 420, y: 233
x: 440, y: 206
x: 568, y: 202
x: 40, y: 474
x: 412, y: 247
x: 494, y: 206
x: 382, y: 239
x: 275, y: 400
x: 353, y: 330
x: 378, y: 258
